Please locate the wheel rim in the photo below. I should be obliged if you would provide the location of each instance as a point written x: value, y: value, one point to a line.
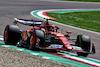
x: 6, y: 35
x: 37, y: 41
x: 32, y: 40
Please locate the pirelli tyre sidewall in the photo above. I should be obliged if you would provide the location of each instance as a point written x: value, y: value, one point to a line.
x: 12, y: 34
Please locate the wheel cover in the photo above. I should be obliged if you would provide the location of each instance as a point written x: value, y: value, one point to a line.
x: 6, y: 35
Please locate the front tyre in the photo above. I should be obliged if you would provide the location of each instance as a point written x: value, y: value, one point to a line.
x: 84, y: 42
x: 11, y: 34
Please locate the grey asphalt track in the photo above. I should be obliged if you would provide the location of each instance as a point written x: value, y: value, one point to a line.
x: 22, y: 8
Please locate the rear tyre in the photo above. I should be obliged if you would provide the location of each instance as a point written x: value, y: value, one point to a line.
x: 11, y: 34
x: 36, y: 39
x: 84, y: 42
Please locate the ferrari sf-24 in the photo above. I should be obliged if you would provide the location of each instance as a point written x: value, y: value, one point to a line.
x: 44, y: 36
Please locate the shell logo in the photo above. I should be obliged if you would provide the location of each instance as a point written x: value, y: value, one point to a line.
x: 63, y: 38
x: 59, y: 34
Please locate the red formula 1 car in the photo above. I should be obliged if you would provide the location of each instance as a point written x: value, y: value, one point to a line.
x: 46, y: 37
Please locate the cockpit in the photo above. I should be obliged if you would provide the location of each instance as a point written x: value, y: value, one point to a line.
x: 52, y: 28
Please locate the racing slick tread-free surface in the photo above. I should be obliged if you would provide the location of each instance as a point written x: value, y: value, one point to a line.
x: 12, y: 34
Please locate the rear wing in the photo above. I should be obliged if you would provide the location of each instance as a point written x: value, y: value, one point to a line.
x: 27, y: 22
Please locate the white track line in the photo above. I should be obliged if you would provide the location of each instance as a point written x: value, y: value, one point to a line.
x: 64, y: 55
x: 78, y: 2
x: 5, y: 46
x: 83, y: 60
x: 34, y: 53
x: 46, y: 57
x: 40, y: 13
x: 75, y: 27
x: 94, y: 59
x: 20, y: 49
x: 1, y: 38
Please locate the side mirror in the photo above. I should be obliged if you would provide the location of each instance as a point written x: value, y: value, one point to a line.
x: 69, y: 32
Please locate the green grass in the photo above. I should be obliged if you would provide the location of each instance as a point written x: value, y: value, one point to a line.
x: 85, y: 0
x: 85, y: 20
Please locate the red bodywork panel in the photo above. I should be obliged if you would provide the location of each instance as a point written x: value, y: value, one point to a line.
x: 63, y: 39
x: 61, y: 36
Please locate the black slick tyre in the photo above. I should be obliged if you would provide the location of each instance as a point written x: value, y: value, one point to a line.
x: 84, y: 42
x: 11, y: 34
